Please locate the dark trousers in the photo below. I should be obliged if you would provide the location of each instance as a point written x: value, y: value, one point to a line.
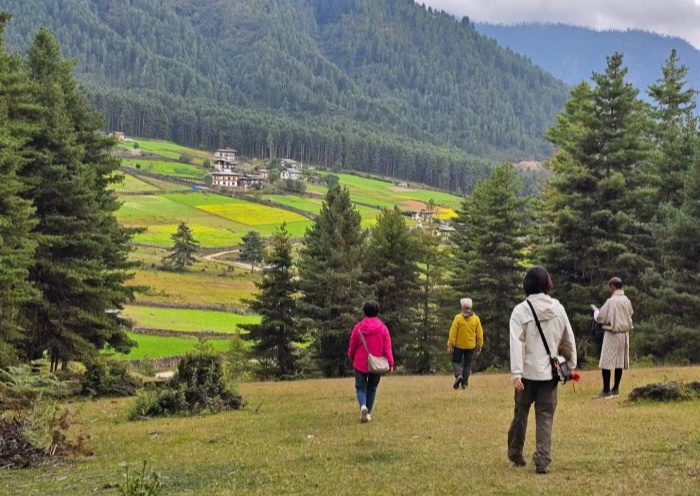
x: 366, y: 388
x: 544, y: 395
x: 462, y: 363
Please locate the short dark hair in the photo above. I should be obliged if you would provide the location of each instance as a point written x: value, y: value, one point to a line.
x: 537, y: 280
x: 370, y: 308
x: 615, y: 281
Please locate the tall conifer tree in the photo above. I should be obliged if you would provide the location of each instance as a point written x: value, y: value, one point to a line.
x: 81, y: 263
x: 391, y: 270
x: 275, y: 302
x: 489, y: 242
x: 16, y: 222
x: 600, y: 202
x: 330, y: 270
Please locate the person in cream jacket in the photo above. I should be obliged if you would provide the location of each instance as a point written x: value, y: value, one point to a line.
x: 531, y: 368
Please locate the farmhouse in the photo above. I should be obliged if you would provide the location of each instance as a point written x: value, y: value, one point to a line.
x: 291, y: 174
x: 118, y: 134
x: 291, y: 164
x: 226, y: 154
x: 250, y: 180
x: 263, y: 172
x: 225, y: 179
x: 221, y: 164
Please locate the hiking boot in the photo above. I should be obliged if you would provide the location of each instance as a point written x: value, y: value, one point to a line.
x: 458, y: 382
x: 541, y: 469
x: 518, y: 460
x: 615, y: 393
x: 369, y: 417
x: 464, y: 385
x: 603, y: 395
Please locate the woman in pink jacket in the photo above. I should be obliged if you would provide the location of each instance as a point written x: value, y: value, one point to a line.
x: 379, y: 344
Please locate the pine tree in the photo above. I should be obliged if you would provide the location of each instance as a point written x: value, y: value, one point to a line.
x: 428, y: 336
x: 183, y: 250
x: 489, y: 240
x: 16, y: 214
x: 275, y: 336
x: 330, y: 268
x: 675, y: 130
x: 81, y: 264
x: 391, y: 270
x: 252, y: 249
x: 600, y: 202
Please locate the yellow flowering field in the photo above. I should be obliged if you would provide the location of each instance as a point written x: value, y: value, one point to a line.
x: 445, y: 214
x: 252, y: 214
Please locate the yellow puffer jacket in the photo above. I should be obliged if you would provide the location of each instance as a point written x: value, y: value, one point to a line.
x: 466, y: 333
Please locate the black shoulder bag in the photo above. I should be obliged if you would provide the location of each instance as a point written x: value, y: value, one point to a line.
x: 560, y: 368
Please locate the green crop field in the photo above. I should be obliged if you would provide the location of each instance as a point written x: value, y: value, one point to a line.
x: 305, y: 438
x: 165, y: 346
x: 175, y: 169
x: 205, y: 283
x: 166, y: 149
x: 386, y: 194
x: 180, y: 319
x: 314, y: 204
x: 131, y: 184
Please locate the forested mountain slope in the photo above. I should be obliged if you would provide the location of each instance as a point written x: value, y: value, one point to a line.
x: 572, y: 53
x: 379, y: 85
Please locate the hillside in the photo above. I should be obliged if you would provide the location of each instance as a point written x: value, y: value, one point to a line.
x: 384, y: 86
x: 572, y: 53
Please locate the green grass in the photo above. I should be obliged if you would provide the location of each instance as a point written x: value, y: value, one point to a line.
x: 425, y: 438
x: 386, y: 194
x: 165, y: 346
x: 177, y: 319
x: 131, y: 184
x: 175, y: 169
x: 167, y: 149
x: 205, y: 283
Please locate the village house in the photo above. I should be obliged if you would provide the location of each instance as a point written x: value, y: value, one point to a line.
x: 225, y: 179
x: 263, y: 172
x: 291, y: 174
x: 291, y: 164
x: 250, y: 180
x: 118, y: 134
x: 223, y: 165
x: 228, y: 154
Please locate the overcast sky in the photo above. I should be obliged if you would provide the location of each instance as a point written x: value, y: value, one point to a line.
x: 673, y: 17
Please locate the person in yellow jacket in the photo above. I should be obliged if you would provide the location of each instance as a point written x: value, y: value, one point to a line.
x: 466, y: 336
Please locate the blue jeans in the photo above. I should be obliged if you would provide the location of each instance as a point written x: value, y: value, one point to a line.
x: 366, y: 387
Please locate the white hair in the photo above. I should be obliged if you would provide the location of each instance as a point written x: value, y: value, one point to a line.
x: 466, y: 302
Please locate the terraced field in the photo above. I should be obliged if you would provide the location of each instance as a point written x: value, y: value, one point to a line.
x: 181, y: 319
x: 165, y: 346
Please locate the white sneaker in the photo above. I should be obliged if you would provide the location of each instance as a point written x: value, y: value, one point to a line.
x: 369, y: 417
x: 364, y: 414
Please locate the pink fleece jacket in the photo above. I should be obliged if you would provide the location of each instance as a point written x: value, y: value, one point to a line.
x: 378, y: 341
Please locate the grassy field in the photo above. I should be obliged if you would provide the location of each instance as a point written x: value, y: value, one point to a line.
x: 165, y: 346
x: 215, y: 220
x: 131, y: 184
x: 175, y: 169
x: 167, y: 149
x: 386, y: 194
x: 204, y: 283
x: 425, y: 438
x: 180, y: 319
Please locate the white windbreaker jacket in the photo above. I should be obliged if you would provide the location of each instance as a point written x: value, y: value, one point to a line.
x: 528, y: 357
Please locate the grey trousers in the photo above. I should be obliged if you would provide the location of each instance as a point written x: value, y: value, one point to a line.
x: 544, y: 395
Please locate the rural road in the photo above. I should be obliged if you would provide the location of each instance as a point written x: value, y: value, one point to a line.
x: 213, y: 257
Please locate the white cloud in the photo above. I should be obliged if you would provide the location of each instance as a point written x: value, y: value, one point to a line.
x: 672, y: 17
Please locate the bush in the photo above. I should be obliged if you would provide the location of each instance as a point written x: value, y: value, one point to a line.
x: 108, y: 378
x: 136, y: 145
x: 185, y: 159
x: 20, y: 387
x: 197, y: 386
x: 666, y: 391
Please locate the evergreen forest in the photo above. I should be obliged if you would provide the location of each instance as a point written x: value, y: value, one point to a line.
x: 382, y: 86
